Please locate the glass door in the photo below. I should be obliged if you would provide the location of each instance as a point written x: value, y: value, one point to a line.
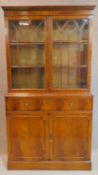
x: 69, y: 54
x: 27, y: 52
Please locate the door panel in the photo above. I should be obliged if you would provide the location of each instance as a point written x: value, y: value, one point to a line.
x: 27, y: 53
x: 28, y: 136
x: 70, y: 135
x: 69, y: 54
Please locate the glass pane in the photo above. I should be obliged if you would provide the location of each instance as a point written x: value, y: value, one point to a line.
x: 69, y: 56
x: 27, y: 78
x: 27, y: 30
x: 83, y: 77
x: 27, y: 55
x: 27, y: 45
x: 70, y: 30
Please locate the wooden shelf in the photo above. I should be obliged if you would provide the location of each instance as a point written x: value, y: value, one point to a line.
x: 70, y: 66
x: 70, y: 42
x: 72, y: 85
x: 27, y: 67
x: 14, y: 43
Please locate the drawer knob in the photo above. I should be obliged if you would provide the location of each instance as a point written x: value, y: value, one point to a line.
x: 71, y: 104
x: 26, y: 104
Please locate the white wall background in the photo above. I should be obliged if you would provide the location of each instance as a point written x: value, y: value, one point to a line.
x: 3, y: 79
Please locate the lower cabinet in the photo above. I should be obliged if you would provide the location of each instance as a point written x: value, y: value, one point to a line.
x: 48, y: 137
x: 27, y: 136
x: 70, y: 136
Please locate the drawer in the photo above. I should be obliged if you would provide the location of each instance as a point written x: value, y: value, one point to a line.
x: 22, y: 103
x: 80, y: 103
x: 49, y: 103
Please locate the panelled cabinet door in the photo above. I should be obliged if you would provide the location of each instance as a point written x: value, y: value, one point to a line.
x: 70, y: 134
x: 27, y: 136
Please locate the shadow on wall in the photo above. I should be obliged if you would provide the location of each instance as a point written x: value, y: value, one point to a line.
x: 3, y: 90
x: 3, y: 145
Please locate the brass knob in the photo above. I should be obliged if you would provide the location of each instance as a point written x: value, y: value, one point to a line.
x: 71, y: 104
x: 26, y: 103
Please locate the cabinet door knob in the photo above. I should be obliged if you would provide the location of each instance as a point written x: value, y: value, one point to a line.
x: 26, y: 104
x: 71, y: 104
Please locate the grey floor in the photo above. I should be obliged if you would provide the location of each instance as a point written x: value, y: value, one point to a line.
x: 94, y: 171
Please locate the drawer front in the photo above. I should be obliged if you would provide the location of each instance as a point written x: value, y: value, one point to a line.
x: 48, y: 103
x: 21, y: 104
